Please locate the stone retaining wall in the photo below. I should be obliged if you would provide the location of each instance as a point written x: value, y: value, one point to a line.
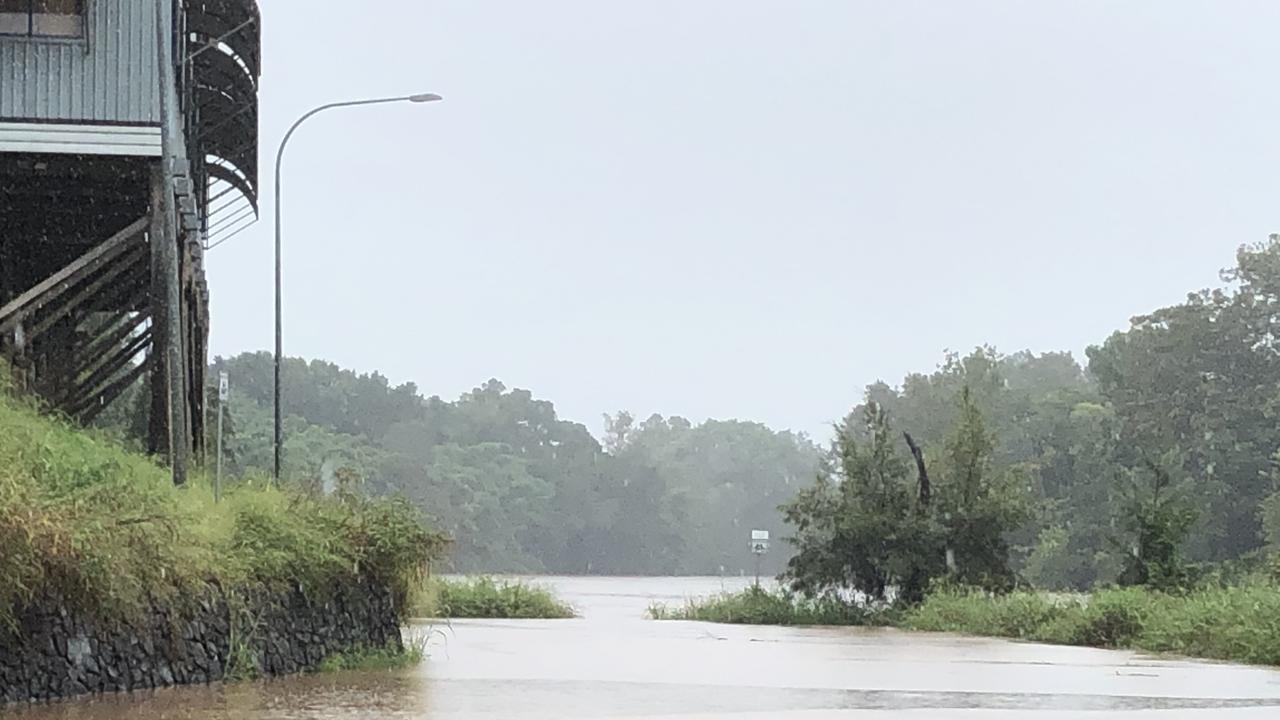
x: 55, y: 654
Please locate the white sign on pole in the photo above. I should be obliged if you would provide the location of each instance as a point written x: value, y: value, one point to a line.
x: 759, y: 541
x: 224, y: 386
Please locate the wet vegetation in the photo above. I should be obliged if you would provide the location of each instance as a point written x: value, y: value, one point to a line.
x: 998, y: 477
x: 760, y: 606
x: 519, y: 490
x: 1153, y: 463
x: 486, y: 597
x: 366, y: 659
x: 106, y: 530
x: 1145, y: 486
x: 1230, y: 622
x: 1240, y: 623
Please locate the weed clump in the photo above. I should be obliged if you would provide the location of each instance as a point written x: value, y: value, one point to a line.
x: 392, y: 657
x: 485, y: 597
x: 758, y: 606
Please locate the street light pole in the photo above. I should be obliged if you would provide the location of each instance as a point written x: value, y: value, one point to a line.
x: 420, y: 98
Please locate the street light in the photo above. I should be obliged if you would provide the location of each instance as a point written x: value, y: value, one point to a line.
x: 418, y: 98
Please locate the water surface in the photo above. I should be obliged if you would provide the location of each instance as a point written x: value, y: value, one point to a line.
x: 612, y: 663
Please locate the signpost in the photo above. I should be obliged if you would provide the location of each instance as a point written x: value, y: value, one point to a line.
x: 224, y: 392
x: 759, y: 546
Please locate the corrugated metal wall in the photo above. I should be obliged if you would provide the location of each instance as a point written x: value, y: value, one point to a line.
x: 109, y: 78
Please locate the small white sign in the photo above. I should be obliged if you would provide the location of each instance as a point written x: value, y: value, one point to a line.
x: 760, y: 535
x: 224, y: 386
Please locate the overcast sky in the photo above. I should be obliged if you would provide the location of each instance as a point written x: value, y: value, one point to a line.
x: 745, y: 209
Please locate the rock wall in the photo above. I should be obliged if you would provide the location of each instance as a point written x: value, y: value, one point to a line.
x: 55, y: 653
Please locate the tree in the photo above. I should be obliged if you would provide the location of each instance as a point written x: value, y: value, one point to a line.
x: 1270, y: 518
x: 1200, y: 381
x: 1155, y: 518
x: 618, y: 431
x: 730, y: 477
x: 1073, y: 525
x: 1031, y: 404
x: 978, y: 507
x: 484, y: 496
x: 857, y: 527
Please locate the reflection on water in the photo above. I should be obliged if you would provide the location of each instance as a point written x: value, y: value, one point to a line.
x: 340, y: 695
x: 613, y: 663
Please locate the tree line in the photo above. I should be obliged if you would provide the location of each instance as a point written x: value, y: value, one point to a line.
x: 518, y: 488
x: 1154, y: 459
x: 1154, y: 464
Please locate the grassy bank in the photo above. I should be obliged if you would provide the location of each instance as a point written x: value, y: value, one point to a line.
x: 1223, y: 623
x: 485, y: 597
x: 106, y: 531
x: 757, y: 606
x: 1240, y: 624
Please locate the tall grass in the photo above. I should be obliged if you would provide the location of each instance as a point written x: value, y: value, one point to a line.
x: 107, y: 532
x: 485, y: 597
x: 386, y: 658
x: 758, y: 606
x: 1240, y: 623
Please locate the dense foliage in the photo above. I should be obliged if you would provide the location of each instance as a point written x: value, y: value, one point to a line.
x: 517, y: 488
x: 1099, y: 467
x: 1153, y: 465
x: 870, y: 526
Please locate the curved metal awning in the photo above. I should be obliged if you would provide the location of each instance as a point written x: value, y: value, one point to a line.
x: 221, y: 73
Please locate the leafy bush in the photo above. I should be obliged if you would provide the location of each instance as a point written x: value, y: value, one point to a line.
x: 484, y: 597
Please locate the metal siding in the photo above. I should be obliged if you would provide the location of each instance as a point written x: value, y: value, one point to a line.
x: 111, y: 77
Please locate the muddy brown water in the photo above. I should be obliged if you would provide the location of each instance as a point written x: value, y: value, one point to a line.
x: 613, y: 663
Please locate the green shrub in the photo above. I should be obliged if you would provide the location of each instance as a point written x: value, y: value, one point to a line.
x: 1018, y: 614
x: 484, y: 597
x: 1113, y: 618
x: 1234, y: 623
x: 1110, y: 618
x: 1240, y: 623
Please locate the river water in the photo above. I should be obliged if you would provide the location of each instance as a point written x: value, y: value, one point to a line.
x: 613, y: 663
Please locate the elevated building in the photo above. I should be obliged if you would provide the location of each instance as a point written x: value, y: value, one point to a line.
x: 128, y: 146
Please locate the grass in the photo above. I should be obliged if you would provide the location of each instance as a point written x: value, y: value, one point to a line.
x: 106, y: 531
x: 757, y: 606
x: 485, y: 597
x: 1240, y: 623
x: 387, y: 658
x: 1237, y: 623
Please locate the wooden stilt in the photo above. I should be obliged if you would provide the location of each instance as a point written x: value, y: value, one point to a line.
x: 169, y: 426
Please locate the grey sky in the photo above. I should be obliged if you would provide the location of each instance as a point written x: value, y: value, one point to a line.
x: 740, y: 208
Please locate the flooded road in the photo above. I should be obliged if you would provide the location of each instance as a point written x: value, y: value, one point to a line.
x: 612, y: 663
